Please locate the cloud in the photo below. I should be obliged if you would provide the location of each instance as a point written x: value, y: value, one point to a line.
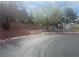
x: 37, y: 5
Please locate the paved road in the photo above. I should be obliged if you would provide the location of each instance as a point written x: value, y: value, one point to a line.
x: 42, y: 46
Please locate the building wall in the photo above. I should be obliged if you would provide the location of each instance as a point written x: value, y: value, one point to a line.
x: 66, y: 27
x: 71, y: 27
x: 75, y: 28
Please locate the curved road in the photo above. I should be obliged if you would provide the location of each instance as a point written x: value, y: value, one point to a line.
x: 41, y: 46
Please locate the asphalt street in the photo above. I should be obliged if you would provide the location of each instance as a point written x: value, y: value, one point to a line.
x: 41, y: 46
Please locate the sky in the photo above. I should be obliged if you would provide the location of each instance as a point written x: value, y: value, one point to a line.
x: 37, y: 5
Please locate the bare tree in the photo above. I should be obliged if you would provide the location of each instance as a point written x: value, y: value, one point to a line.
x: 4, y: 16
x: 10, y: 11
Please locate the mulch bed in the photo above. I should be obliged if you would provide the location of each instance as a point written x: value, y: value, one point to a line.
x: 18, y: 29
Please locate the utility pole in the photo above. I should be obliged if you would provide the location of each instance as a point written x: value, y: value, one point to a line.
x: 47, y: 24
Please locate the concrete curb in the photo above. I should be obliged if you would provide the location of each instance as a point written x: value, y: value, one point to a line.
x: 61, y: 33
x: 11, y: 39
x: 44, y: 33
x: 19, y: 37
x: 14, y: 38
